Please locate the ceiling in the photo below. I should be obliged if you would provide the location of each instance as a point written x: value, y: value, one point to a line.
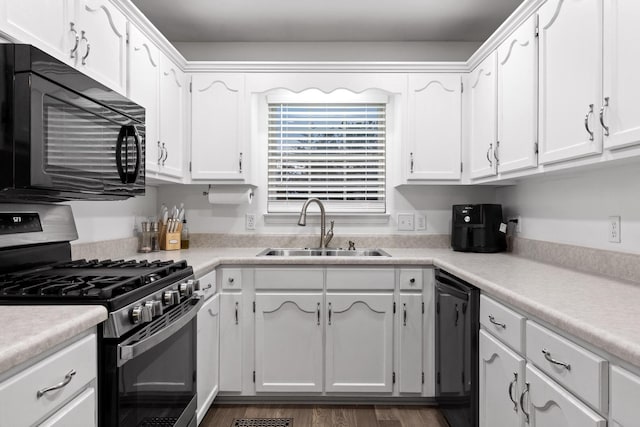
x: 326, y: 20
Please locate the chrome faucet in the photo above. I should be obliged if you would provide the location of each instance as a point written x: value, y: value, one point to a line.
x: 324, y: 238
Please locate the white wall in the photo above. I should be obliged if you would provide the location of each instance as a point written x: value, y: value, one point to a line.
x: 328, y: 51
x: 575, y: 209
x: 108, y: 220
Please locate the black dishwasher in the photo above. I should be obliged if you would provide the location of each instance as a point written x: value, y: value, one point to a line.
x: 457, y: 325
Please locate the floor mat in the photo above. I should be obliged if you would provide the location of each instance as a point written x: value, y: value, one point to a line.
x: 262, y: 422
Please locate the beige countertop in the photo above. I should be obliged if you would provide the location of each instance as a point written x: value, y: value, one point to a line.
x: 596, y: 309
x: 28, y: 331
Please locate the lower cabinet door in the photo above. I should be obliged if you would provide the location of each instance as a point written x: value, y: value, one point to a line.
x: 410, y: 325
x: 550, y: 405
x: 623, y: 404
x: 231, y: 325
x: 288, y: 342
x: 359, y: 342
x: 207, y: 359
x: 80, y: 412
x: 501, y: 381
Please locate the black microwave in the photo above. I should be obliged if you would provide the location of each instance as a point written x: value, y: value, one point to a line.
x: 64, y: 136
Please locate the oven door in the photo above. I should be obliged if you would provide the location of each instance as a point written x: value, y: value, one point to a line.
x: 156, y: 371
x: 67, y: 143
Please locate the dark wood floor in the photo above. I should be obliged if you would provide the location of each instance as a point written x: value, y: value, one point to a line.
x: 329, y: 415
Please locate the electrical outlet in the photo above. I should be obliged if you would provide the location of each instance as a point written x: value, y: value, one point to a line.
x: 614, y: 229
x: 250, y: 221
x: 421, y: 221
x: 406, y: 222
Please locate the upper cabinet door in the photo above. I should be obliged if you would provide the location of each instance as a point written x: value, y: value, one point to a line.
x: 570, y: 79
x: 217, y: 127
x: 518, y: 99
x: 144, y: 72
x: 435, y: 132
x: 482, y: 120
x: 43, y: 23
x: 620, y: 110
x: 172, y: 110
x: 102, y: 50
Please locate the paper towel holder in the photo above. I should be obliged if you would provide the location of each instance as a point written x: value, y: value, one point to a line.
x: 251, y: 187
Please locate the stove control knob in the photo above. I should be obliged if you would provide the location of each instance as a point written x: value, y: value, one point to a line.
x: 155, y: 307
x: 141, y: 314
x: 186, y: 289
x: 171, y: 297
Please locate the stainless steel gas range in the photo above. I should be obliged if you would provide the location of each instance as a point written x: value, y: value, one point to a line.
x: 147, y: 346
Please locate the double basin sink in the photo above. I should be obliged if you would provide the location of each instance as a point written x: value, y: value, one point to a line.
x: 323, y: 252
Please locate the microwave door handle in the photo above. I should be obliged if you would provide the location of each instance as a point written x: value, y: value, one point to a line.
x: 125, y: 176
x: 121, y: 171
x: 137, y: 140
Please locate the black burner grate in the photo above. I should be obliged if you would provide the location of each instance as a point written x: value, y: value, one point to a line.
x: 158, y: 422
x: 262, y: 422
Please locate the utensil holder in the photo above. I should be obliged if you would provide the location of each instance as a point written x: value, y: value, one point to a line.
x: 170, y: 241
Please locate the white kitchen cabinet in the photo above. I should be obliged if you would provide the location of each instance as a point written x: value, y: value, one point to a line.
x: 620, y: 109
x: 359, y: 342
x: 623, y: 404
x: 231, y: 326
x: 549, y: 405
x: 218, y: 127
x: 102, y: 50
x: 288, y: 342
x: 501, y: 380
x: 518, y: 99
x: 208, y: 342
x: 570, y: 91
x: 173, y: 92
x: 482, y: 124
x: 435, y: 128
x: 144, y: 89
x: 410, y: 312
x: 80, y: 412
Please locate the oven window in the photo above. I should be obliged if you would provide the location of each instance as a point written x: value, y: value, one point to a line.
x: 157, y: 385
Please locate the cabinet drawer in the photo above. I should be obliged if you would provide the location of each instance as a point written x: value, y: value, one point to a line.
x: 19, y: 404
x: 625, y: 389
x: 80, y: 412
x: 207, y: 284
x: 231, y: 278
x: 288, y: 278
x: 579, y: 370
x: 360, y: 278
x: 410, y: 279
x: 503, y: 323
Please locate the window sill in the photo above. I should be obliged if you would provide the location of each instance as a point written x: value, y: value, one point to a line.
x: 314, y: 218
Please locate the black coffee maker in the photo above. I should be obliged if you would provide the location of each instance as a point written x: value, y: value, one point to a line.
x: 478, y: 228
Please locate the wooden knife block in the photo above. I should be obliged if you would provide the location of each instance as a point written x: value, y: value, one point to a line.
x: 170, y: 241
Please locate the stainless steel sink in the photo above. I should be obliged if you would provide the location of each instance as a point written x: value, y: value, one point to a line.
x: 322, y: 252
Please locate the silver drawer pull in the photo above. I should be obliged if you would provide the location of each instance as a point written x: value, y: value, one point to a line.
x: 547, y: 355
x: 67, y: 380
x: 510, y: 391
x: 526, y: 390
x: 493, y: 320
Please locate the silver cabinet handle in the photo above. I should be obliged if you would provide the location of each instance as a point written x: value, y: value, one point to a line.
x: 412, y: 280
x: 329, y: 317
x: 161, y: 151
x: 236, y: 312
x: 511, y: 384
x: 586, y: 122
x: 67, y: 379
x: 86, y: 55
x: 496, y: 153
x: 404, y: 314
x: 605, y: 105
x: 489, y: 158
x: 526, y: 390
x: 230, y: 279
x: 547, y: 355
x: 411, y: 162
x: 240, y: 163
x: 493, y: 320
x: 166, y: 153
x: 318, y: 311
x: 75, y: 35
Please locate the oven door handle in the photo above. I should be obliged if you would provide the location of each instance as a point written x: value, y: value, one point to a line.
x: 128, y: 352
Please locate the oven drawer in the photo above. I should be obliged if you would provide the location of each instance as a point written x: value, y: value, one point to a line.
x: 580, y: 371
x: 503, y: 323
x: 19, y: 401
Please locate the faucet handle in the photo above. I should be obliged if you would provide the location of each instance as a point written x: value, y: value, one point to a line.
x: 352, y: 245
x: 329, y: 234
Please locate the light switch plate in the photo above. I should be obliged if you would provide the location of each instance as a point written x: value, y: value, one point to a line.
x: 406, y: 222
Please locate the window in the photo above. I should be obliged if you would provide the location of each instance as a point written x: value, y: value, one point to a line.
x: 332, y: 151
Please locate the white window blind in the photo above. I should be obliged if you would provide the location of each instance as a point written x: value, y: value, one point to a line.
x: 335, y: 152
